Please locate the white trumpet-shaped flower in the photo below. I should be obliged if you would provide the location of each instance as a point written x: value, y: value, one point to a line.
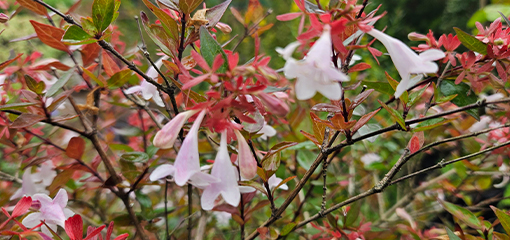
x: 187, y: 163
x: 165, y: 138
x: 407, y: 61
x: 227, y: 173
x: 315, y: 73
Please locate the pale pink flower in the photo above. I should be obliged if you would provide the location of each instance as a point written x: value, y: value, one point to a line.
x: 267, y: 131
x: 407, y: 61
x: 36, y: 182
x: 165, y: 138
x: 187, y: 163
x: 52, y: 211
x: 227, y: 173
x: 147, y: 89
x: 246, y: 161
x: 315, y: 73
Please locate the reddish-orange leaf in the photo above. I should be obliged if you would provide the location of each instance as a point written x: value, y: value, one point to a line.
x: 33, y: 6
x: 338, y: 122
x: 89, y: 53
x: 363, y: 120
x: 6, y: 63
x: 75, y: 148
x: 311, y: 138
x: 110, y: 67
x: 50, y: 63
x: 416, y: 142
x: 359, y: 67
x: 50, y: 35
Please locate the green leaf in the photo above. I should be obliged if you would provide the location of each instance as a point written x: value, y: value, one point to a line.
x: 187, y: 6
x: 159, y: 35
x: 59, y: 83
x: 446, y: 99
x: 102, y: 14
x: 93, y: 77
x: 504, y: 18
x: 210, y: 48
x: 16, y: 105
x: 381, y: 87
x: 462, y: 214
x: 471, y: 42
x: 143, y: 199
x: 503, y: 217
x: 88, y: 26
x: 287, y: 229
x: 416, y: 95
x: 404, y: 97
x: 431, y: 123
x: 464, y: 96
x: 119, y: 79
x: 75, y: 35
x: 167, y: 22
x: 135, y: 157
x: 353, y: 214
x: 394, y: 114
x: 452, y: 235
x: 32, y: 84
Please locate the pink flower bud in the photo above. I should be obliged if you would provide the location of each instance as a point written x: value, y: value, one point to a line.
x: 414, y: 36
x: 247, y: 163
x: 165, y: 138
x: 275, y: 105
x: 3, y: 18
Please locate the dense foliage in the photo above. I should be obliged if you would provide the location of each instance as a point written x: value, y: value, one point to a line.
x: 254, y: 119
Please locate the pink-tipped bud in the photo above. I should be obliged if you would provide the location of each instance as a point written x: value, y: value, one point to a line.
x: 417, y: 37
x: 3, y: 18
x: 247, y: 163
x: 165, y: 138
x: 223, y: 27
x: 275, y: 105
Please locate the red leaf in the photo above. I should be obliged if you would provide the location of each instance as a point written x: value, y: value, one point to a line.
x: 33, y: 6
x: 6, y: 63
x: 359, y: 67
x: 75, y: 148
x: 89, y: 53
x: 94, y: 232
x: 416, y: 142
x: 288, y: 16
x: 50, y: 63
x: 50, y: 35
x: 110, y: 67
x: 200, y: 61
x: 21, y: 207
x: 74, y: 227
x: 363, y: 120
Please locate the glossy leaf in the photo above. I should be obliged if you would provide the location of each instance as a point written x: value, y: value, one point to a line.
x: 415, y: 96
x: 352, y: 214
x: 210, y: 48
x: 32, y: 84
x: 431, y: 123
x: 33, y: 6
x: 381, y: 87
x: 284, y: 181
x: 102, y: 14
x: 471, y: 42
x: 50, y: 35
x: 255, y: 185
x: 119, y: 79
x: 503, y: 217
x: 394, y: 114
x: 393, y: 83
x: 464, y: 96
x: 58, y: 100
x: 59, y: 83
x: 462, y: 214
x: 363, y: 120
x: 75, y: 35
